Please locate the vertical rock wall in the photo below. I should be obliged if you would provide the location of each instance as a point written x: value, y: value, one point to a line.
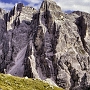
x: 46, y: 44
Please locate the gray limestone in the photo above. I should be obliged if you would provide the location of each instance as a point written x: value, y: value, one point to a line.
x: 46, y: 44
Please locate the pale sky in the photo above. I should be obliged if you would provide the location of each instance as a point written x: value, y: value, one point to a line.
x: 73, y: 5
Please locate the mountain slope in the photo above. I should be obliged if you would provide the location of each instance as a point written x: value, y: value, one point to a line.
x: 8, y: 82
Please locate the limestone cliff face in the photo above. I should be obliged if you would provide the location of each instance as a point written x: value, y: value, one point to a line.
x: 46, y: 44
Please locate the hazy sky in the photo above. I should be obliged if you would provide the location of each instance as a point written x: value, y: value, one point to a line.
x: 81, y: 5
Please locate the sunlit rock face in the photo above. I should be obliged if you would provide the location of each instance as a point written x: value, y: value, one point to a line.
x: 47, y: 44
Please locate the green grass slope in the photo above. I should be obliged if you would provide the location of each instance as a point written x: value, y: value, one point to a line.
x: 8, y: 82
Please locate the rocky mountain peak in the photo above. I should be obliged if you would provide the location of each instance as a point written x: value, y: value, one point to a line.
x: 2, y: 12
x: 46, y: 44
x: 50, y: 5
x: 19, y: 6
x: 49, y: 12
x: 17, y: 15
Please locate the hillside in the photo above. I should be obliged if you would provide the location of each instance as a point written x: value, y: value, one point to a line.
x: 8, y: 82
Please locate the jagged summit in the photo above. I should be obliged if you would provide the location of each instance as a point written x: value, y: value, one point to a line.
x: 18, y: 14
x: 49, y: 1
x: 50, y: 5
x: 19, y: 6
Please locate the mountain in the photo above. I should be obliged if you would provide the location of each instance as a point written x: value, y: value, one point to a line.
x: 68, y: 11
x: 46, y: 44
